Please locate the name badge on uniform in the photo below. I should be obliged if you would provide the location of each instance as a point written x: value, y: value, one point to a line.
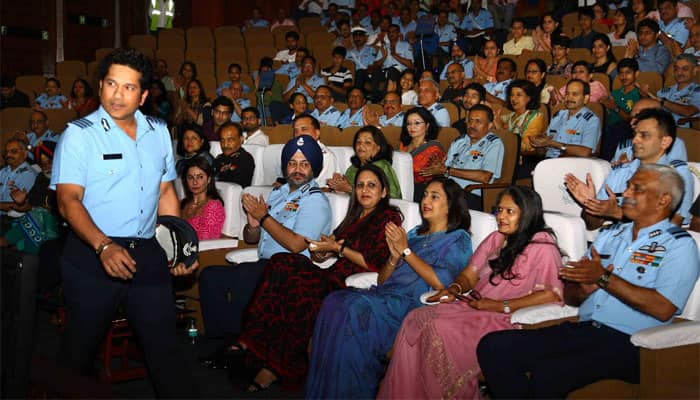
x: 114, y: 156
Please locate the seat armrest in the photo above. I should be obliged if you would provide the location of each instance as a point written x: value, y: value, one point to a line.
x: 542, y: 313
x: 216, y: 244
x: 494, y: 185
x: 242, y: 255
x: 663, y: 337
x: 362, y: 280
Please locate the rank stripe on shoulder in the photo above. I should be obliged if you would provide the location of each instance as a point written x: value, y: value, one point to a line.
x: 81, y: 123
x: 678, y: 232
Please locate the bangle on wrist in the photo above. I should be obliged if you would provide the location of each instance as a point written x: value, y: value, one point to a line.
x: 103, y: 246
x: 264, y: 217
x: 604, y: 280
x: 341, y: 252
x: 457, y: 285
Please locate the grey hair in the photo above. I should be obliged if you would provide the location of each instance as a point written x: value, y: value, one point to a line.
x: 670, y: 182
x: 687, y: 57
x: 432, y: 82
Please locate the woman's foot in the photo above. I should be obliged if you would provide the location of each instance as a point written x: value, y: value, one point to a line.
x: 263, y: 380
x: 224, y: 357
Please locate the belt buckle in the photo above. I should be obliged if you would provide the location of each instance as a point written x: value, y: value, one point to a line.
x: 132, y: 244
x: 596, y: 324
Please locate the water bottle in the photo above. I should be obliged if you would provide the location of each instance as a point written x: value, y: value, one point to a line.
x: 192, y: 331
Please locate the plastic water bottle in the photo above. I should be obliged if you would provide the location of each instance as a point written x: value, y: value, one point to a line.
x: 192, y: 331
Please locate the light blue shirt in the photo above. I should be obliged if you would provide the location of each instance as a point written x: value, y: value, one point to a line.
x: 329, y: 117
x: 446, y: 33
x: 305, y: 211
x: 620, y: 174
x: 227, y: 84
x: 261, y: 23
x: 677, y: 152
x: 482, y: 21
x: 485, y: 155
x: 405, y: 30
x: 366, y: 22
x: 676, y: 30
x: 396, y: 120
x: 121, y: 176
x: 664, y: 258
x: 467, y: 64
x: 657, y: 58
x: 292, y: 70
x: 48, y: 136
x: 346, y: 120
x: 454, y: 19
x: 23, y: 177
x: 403, y: 49
x: 442, y: 116
x: 582, y: 129
x: 364, y: 58
x: 50, y: 103
x: 244, y: 103
x: 498, y: 89
x: 315, y: 81
x: 689, y: 96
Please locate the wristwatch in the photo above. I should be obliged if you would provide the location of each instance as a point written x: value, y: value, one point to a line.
x: 506, y: 307
x: 563, y: 148
x: 406, y: 252
x: 604, y: 280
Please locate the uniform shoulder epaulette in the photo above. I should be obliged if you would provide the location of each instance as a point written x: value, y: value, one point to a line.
x: 82, y: 123
x: 332, y: 109
x: 619, y: 166
x: 588, y: 115
x: 678, y: 232
x: 556, y: 114
x: 612, y: 226
x: 696, y: 88
x: 665, y: 89
x: 155, y: 121
x: 315, y: 190
x: 491, y: 137
x: 23, y: 169
x: 439, y: 106
x: 678, y: 163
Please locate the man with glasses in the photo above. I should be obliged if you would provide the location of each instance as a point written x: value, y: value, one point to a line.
x: 221, y: 111
x: 40, y: 132
x: 356, y: 114
x: 393, y: 116
x: 16, y: 175
x: 307, y: 82
x: 456, y: 89
x: 324, y: 111
x: 683, y: 98
x: 252, y: 134
x: 294, y: 212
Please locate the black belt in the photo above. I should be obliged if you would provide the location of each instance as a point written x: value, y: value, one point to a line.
x: 132, y: 243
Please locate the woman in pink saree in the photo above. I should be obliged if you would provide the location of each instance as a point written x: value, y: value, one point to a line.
x: 515, y: 267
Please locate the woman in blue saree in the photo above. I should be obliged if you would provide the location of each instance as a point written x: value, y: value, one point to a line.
x: 356, y: 328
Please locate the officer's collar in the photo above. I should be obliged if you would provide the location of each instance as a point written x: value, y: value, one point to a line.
x: 644, y: 232
x: 106, y: 122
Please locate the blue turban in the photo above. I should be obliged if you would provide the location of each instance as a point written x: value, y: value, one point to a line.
x: 308, y: 146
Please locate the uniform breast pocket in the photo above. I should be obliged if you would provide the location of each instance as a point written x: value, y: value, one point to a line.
x: 155, y: 165
x: 110, y: 167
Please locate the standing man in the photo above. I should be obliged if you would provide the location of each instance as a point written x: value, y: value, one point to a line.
x: 113, y: 174
x: 637, y: 275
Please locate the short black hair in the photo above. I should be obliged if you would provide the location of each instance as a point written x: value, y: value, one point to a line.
x: 477, y: 87
x: 253, y: 110
x: 181, y: 135
x: 561, y: 40
x: 510, y: 61
x: 586, y: 12
x: 131, y: 58
x: 667, y: 125
x: 583, y: 63
x: 586, y: 86
x: 234, y: 65
x: 630, y: 63
x: 340, y: 50
x: 228, y: 124
x: 292, y: 34
x: 484, y: 108
x: 222, y: 101
x: 314, y: 121
x: 649, y: 23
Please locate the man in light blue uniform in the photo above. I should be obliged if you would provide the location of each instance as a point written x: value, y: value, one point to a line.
x: 672, y: 27
x: 39, y: 123
x: 354, y: 115
x: 307, y: 82
x: 292, y: 70
x: 393, y: 116
x: 363, y: 56
x: 240, y: 103
x: 293, y: 212
x: 113, y: 174
x: 324, y: 111
x: 573, y: 132
x: 407, y: 26
x: 636, y: 276
x: 446, y: 32
x: 505, y: 73
x: 394, y: 58
x: 476, y: 157
x: 459, y: 48
x: 428, y: 96
x: 17, y: 174
x: 654, y: 133
x: 477, y: 20
x: 683, y: 98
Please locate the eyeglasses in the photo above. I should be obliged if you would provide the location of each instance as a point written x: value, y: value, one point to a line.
x: 298, y: 164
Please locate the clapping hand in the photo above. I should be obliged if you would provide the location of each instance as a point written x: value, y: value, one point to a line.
x: 586, y: 270
x: 255, y: 207
x: 581, y: 191
x: 604, y: 208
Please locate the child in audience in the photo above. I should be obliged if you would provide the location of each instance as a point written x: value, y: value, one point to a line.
x: 407, y: 84
x: 234, y: 75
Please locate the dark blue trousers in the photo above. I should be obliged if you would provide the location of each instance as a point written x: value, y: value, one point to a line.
x: 553, y: 361
x: 92, y: 298
x: 224, y: 294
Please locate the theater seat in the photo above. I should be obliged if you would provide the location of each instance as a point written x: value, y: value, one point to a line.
x: 403, y: 166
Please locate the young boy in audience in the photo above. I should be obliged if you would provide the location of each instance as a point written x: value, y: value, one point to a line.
x: 582, y: 70
x: 619, y: 106
x: 561, y: 64
x: 519, y: 42
x: 234, y: 75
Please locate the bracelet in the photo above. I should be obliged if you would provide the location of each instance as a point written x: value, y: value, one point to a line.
x: 342, y: 249
x: 604, y: 280
x: 264, y: 217
x: 447, y: 172
x: 457, y: 285
x: 103, y: 246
